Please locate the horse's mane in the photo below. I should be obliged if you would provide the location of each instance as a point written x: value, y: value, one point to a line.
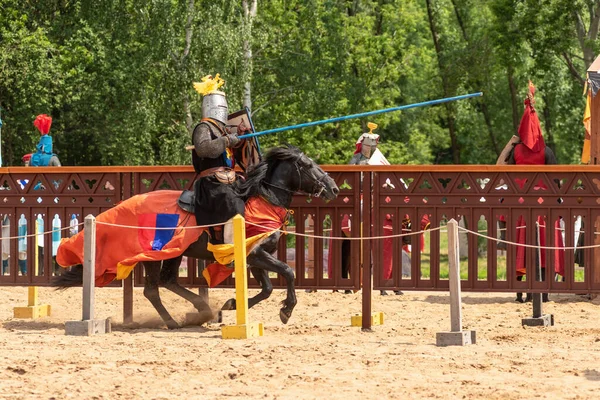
x: 252, y: 185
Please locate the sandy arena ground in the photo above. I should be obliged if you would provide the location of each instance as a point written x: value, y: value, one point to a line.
x: 318, y: 355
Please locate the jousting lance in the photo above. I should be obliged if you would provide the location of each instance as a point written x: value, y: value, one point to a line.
x: 365, y: 114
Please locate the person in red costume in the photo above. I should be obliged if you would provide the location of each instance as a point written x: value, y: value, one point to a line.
x: 530, y: 150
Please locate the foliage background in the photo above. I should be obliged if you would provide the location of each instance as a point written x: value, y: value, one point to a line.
x: 116, y: 75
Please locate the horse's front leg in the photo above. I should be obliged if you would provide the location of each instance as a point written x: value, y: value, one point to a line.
x: 261, y: 259
x: 262, y: 277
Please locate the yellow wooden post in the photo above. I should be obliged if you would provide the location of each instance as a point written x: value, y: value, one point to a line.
x: 243, y: 329
x: 33, y: 310
x: 32, y: 298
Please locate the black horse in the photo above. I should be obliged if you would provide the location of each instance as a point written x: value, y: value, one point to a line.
x: 284, y: 172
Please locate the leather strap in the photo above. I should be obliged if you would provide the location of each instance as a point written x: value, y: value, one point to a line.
x: 211, y: 171
x: 215, y: 124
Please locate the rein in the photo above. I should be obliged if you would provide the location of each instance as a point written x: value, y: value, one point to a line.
x: 318, y: 185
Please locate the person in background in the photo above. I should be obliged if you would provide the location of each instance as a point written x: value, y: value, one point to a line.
x: 531, y: 149
x: 43, y: 157
x: 366, y: 153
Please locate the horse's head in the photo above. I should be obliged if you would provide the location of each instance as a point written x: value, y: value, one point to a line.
x: 284, y: 172
x: 310, y: 179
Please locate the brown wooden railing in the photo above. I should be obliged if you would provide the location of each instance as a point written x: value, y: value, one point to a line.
x: 481, y: 197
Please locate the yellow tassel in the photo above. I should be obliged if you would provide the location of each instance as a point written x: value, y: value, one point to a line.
x: 209, y: 84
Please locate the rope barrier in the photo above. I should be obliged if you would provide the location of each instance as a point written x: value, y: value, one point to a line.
x: 465, y: 230
x: 528, y: 245
x: 157, y: 228
x: 344, y: 237
x: 40, y: 233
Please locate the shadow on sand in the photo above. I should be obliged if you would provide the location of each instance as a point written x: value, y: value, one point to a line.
x: 557, y: 298
x: 132, y: 328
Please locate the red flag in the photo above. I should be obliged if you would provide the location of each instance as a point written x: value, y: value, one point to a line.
x: 43, y: 122
x: 530, y: 131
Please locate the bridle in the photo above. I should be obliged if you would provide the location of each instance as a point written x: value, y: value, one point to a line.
x: 317, y: 183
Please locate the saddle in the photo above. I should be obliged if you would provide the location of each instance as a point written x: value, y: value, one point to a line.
x: 187, y: 201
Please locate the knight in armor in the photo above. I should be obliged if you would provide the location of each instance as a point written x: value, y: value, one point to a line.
x: 366, y: 145
x: 213, y: 160
x: 367, y: 153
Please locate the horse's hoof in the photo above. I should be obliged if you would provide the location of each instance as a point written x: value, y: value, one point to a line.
x: 205, y: 317
x: 199, y: 318
x: 229, y: 305
x: 284, y: 316
x: 173, y: 325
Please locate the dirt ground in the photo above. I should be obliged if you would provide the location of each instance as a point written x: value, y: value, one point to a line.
x: 318, y: 355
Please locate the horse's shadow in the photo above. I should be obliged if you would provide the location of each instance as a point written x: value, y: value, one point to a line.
x: 32, y: 325
x: 592, y: 375
x: 131, y: 328
x: 441, y: 299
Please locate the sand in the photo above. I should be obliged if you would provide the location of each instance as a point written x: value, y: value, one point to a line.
x: 318, y: 355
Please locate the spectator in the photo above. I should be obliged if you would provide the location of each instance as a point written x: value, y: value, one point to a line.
x: 531, y: 150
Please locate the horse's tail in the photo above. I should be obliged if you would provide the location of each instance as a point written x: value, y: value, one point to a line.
x: 69, y: 278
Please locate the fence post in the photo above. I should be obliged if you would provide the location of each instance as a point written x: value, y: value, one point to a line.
x: 128, y: 298
x: 88, y: 326
x: 456, y: 336
x: 538, y: 318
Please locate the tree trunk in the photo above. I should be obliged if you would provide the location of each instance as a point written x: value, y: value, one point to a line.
x: 513, y: 99
x: 478, y: 84
x: 451, y: 119
x: 548, y: 123
x: 189, y: 31
x: 587, y: 38
x: 249, y: 14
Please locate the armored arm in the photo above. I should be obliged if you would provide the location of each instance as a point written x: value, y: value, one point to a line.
x: 355, y: 160
x: 207, y: 147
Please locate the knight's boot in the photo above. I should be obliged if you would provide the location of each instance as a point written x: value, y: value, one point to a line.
x: 529, y: 297
x: 228, y: 232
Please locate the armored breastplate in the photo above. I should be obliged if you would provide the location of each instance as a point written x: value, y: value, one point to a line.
x: 202, y: 164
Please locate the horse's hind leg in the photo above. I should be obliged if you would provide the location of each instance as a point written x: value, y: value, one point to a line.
x: 168, y: 279
x: 151, y: 292
x: 262, y: 277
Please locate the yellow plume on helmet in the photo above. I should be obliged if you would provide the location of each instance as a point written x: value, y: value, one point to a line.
x: 209, y: 84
